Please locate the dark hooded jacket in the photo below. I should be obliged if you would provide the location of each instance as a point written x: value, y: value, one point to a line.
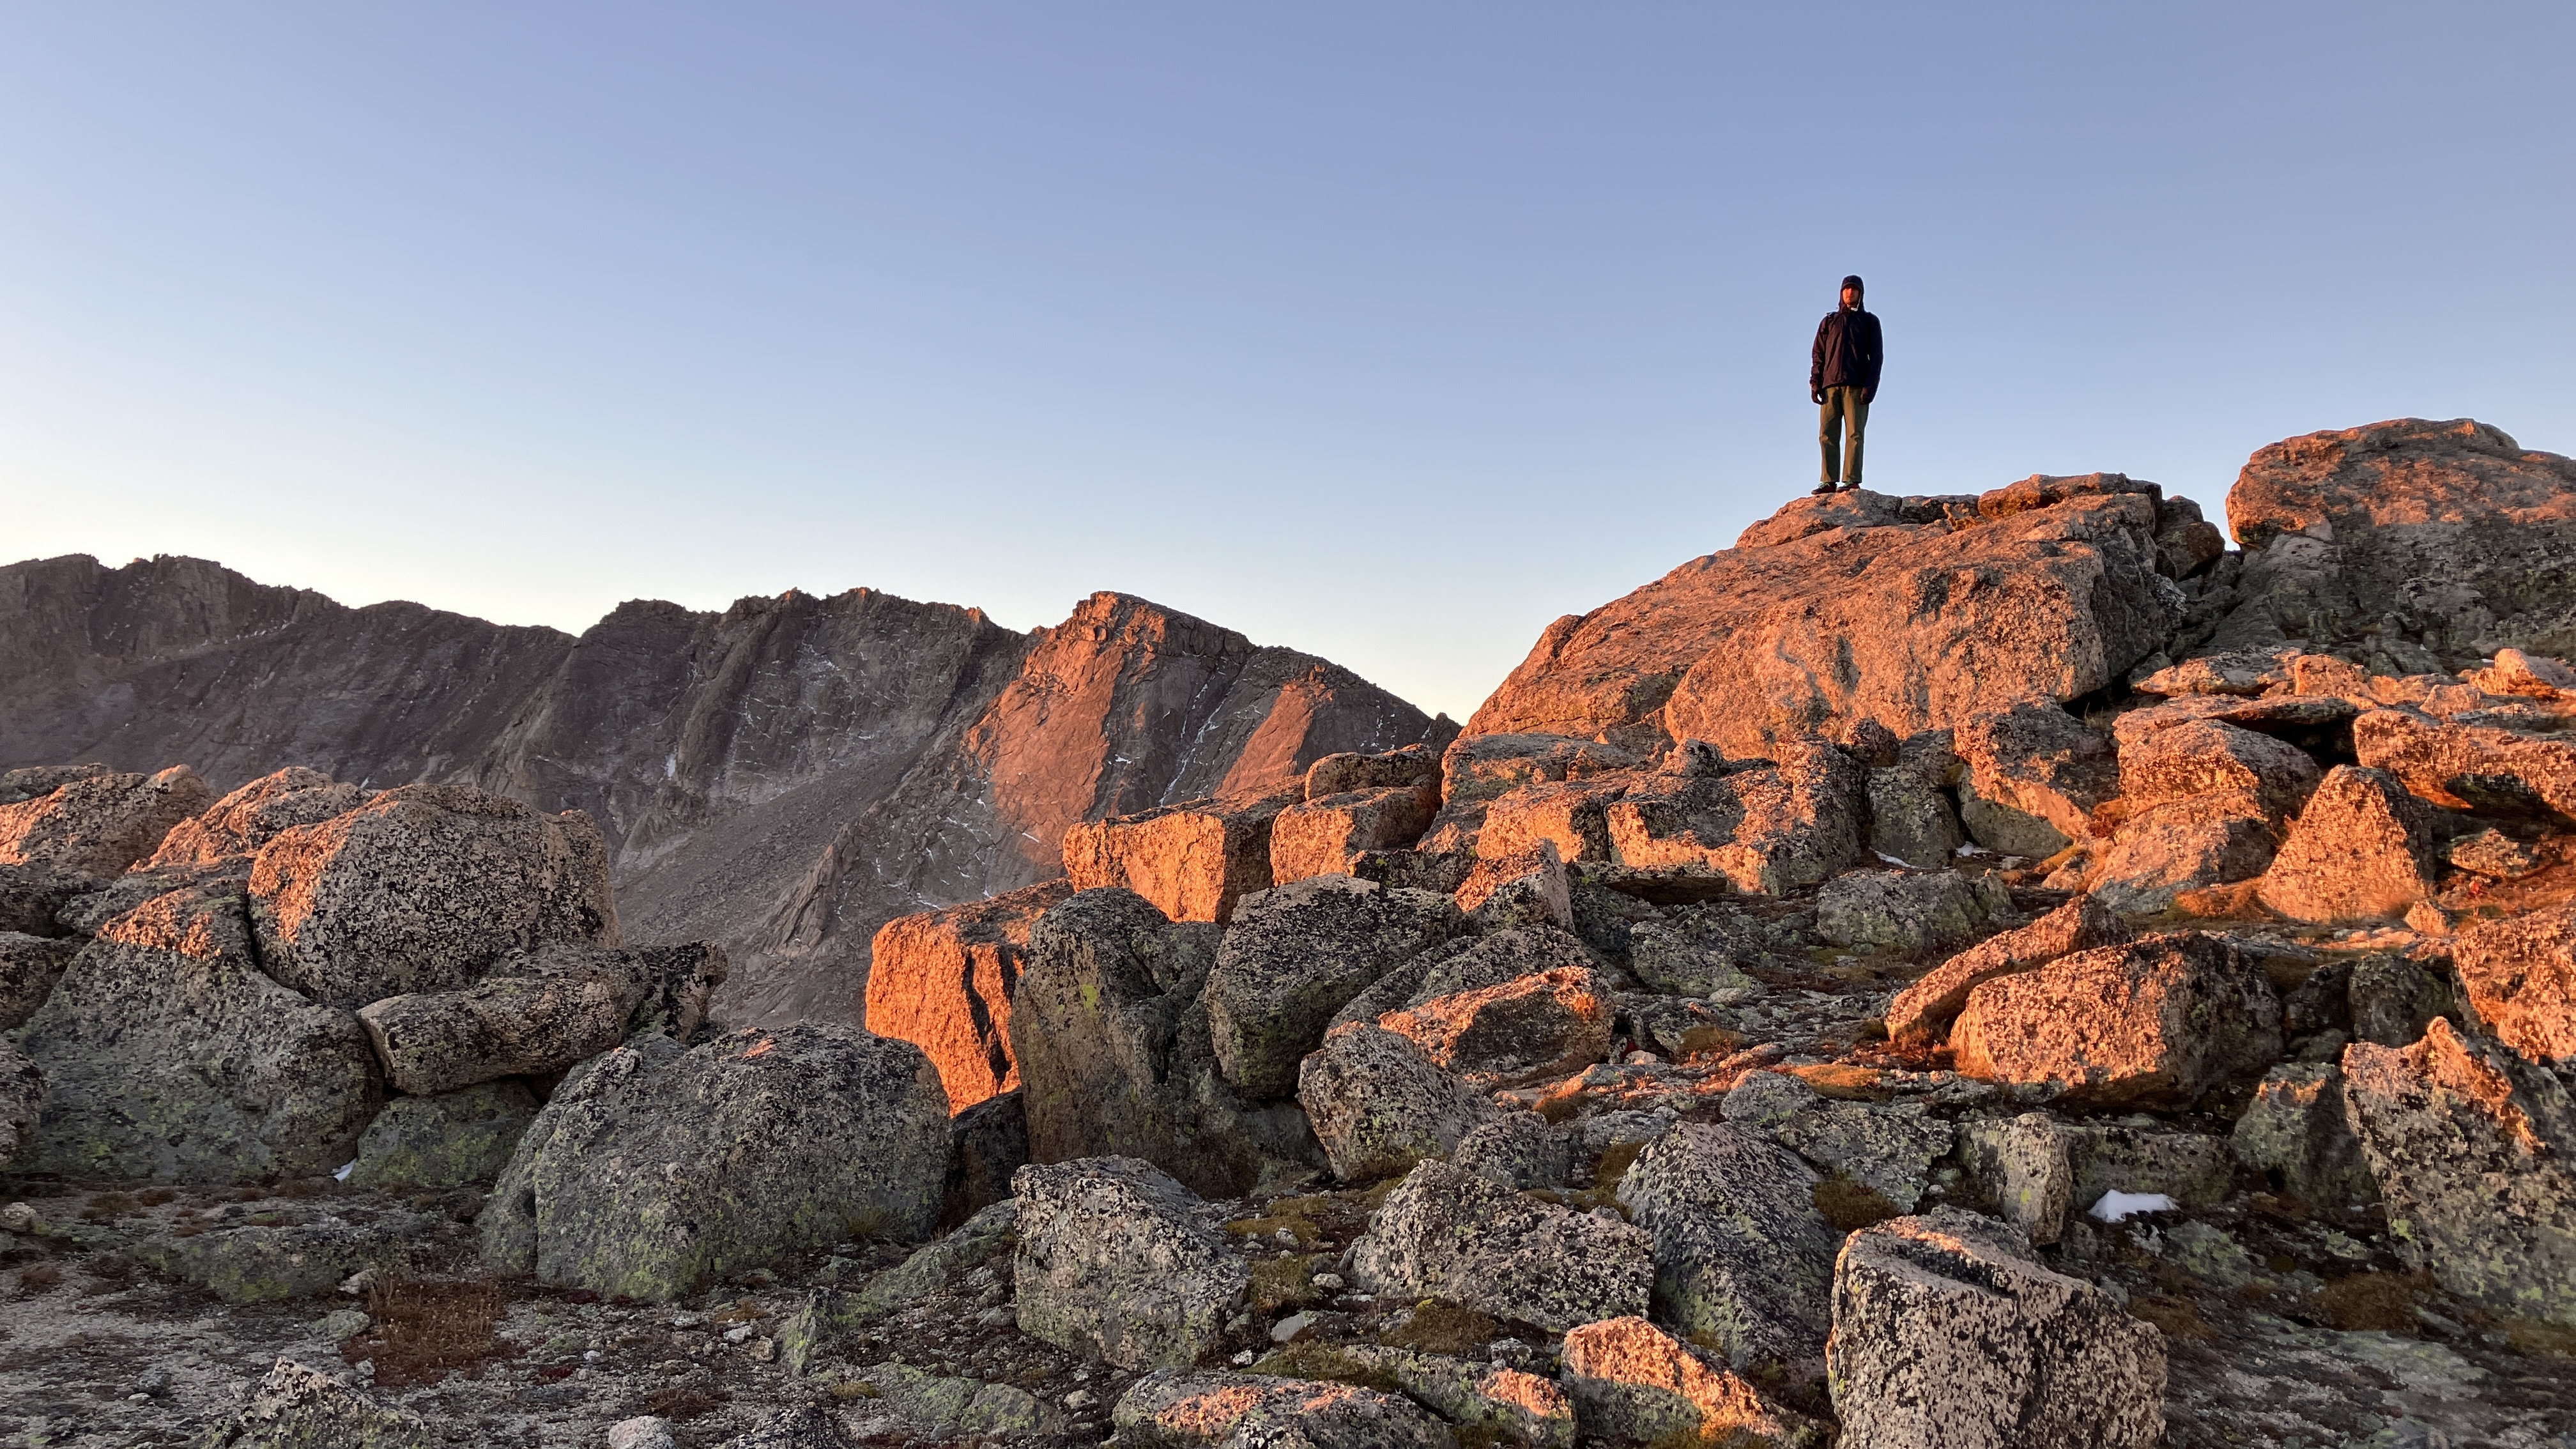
x: 1848, y: 353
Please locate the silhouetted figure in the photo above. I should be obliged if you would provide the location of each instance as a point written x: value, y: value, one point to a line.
x: 1843, y: 377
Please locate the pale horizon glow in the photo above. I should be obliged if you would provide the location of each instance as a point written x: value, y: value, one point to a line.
x: 1385, y: 333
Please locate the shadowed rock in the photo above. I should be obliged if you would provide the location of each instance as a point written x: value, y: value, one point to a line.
x: 1947, y: 1330
x: 2469, y: 1145
x: 1379, y: 1104
x: 1119, y: 1262
x: 1295, y: 956
x: 1446, y: 1233
x: 1742, y: 1258
x: 727, y: 1156
x: 170, y: 1057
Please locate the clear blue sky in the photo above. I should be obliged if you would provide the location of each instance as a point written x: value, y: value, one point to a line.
x: 1390, y: 332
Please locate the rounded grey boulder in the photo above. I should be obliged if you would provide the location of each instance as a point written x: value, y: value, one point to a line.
x: 653, y: 1171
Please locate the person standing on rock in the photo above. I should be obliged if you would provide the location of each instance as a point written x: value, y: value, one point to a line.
x: 1843, y: 378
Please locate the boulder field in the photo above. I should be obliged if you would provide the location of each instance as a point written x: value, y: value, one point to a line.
x: 2001, y: 970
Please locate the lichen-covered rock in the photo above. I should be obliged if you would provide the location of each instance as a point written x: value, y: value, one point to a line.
x: 1379, y: 1104
x: 1632, y: 1381
x: 2195, y: 1169
x: 99, y: 824
x: 1519, y: 1150
x: 2471, y: 767
x: 1703, y: 950
x: 1911, y: 912
x: 986, y: 1144
x: 943, y: 980
x: 1446, y: 1233
x: 2157, y: 1022
x: 501, y: 1026
x: 1479, y: 768
x: 2209, y: 757
x: 22, y: 1100
x: 1324, y: 834
x: 1552, y: 1023
x: 2443, y: 539
x: 2020, y: 1166
x: 1947, y: 1331
x: 1768, y: 829
x: 944, y: 1404
x: 446, y: 1140
x: 1741, y: 1253
x: 168, y: 1056
x: 1469, y: 963
x: 672, y: 985
x: 1487, y: 1401
x: 1171, y: 1409
x: 1911, y: 816
x: 2158, y: 853
x: 422, y: 889
x: 2035, y: 774
x: 2363, y: 850
x: 301, y: 1408
x: 29, y: 968
x: 654, y: 1170
x: 31, y: 894
x: 1296, y: 955
x: 250, y: 817
x: 2389, y: 999
x: 1924, y: 1010
x: 267, y: 1264
x: 2520, y: 972
x: 2470, y: 1145
x: 1528, y: 889
x: 1889, y: 1150
x: 1110, y: 1030
x: 2493, y: 854
x: 1117, y: 1261
x: 1193, y: 860
x: 2295, y: 1130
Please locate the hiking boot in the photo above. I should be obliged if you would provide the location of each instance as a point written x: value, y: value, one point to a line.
x: 1825, y: 487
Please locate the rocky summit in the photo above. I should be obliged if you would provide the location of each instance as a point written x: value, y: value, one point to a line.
x: 1994, y: 970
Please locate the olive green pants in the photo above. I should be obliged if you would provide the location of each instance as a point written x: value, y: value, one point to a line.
x: 1843, y: 409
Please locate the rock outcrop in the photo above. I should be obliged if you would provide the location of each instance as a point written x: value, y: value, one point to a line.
x: 1119, y: 1261
x: 943, y: 980
x: 1917, y: 614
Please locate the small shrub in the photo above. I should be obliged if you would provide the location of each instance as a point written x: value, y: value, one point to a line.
x: 2179, y: 1317
x: 425, y: 1331
x: 1308, y: 1359
x: 39, y: 1278
x: 107, y: 1207
x: 1283, y: 1283
x: 2382, y: 1301
x: 680, y: 1405
x: 156, y: 1196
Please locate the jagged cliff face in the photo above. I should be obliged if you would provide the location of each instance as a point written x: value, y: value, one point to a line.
x: 783, y: 777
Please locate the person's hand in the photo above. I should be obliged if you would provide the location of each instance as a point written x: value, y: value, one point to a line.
x: 1818, y: 394
x: 1869, y: 397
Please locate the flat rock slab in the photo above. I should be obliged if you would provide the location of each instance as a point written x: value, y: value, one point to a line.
x: 269, y: 1264
x: 1171, y: 1409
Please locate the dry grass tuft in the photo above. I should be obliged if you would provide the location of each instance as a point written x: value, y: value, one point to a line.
x: 39, y: 1278
x: 425, y: 1331
x: 2382, y: 1301
x: 680, y: 1405
x: 2178, y: 1317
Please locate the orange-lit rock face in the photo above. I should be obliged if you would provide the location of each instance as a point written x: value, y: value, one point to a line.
x: 252, y: 816
x: 2153, y: 1023
x: 422, y: 889
x: 2363, y: 850
x: 100, y: 823
x: 1632, y: 1379
x: 1192, y: 861
x: 1321, y: 836
x: 2521, y: 976
x: 1557, y: 1020
x: 943, y: 981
